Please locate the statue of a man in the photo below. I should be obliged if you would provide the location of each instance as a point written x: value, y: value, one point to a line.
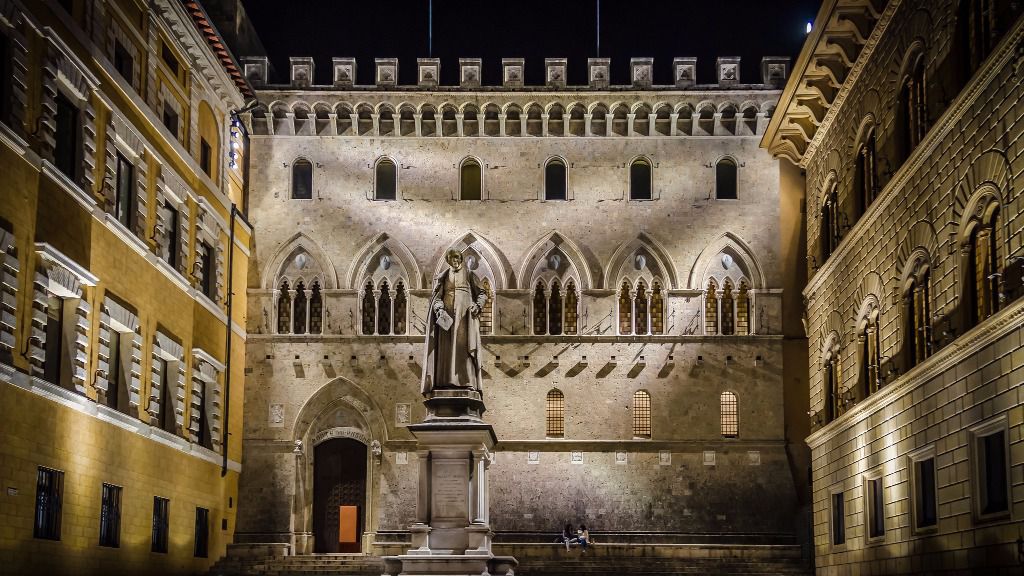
x: 453, y: 328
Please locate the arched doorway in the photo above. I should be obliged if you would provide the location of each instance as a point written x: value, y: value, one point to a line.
x: 339, y: 495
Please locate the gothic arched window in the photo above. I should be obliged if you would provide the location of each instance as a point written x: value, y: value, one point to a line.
x: 641, y: 414
x: 316, y: 309
x: 369, y: 315
x: 470, y: 181
x: 302, y: 179
x: 487, y: 312
x: 555, y: 180
x: 384, y: 309
x: 571, y: 308
x: 640, y: 180
x: 299, y: 317
x: 625, y: 309
x: 540, y: 310
x: 554, y: 414
x: 640, y: 315
x: 555, y: 310
x: 386, y: 180
x: 730, y: 407
x: 657, y: 309
x: 401, y: 306
x: 284, y: 309
x: 726, y: 180
x: 727, y: 309
x: 711, y: 308
x: 743, y: 309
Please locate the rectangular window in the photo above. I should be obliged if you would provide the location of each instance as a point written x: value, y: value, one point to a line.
x: 67, y: 139
x: 110, y: 516
x: 170, y: 59
x: 168, y: 420
x: 171, y: 221
x: 205, y: 157
x: 171, y: 119
x: 993, y: 487
x: 875, y: 507
x: 49, y: 498
x: 925, y: 501
x: 124, y: 202
x: 123, y: 62
x: 202, y: 533
x: 161, y: 523
x: 6, y: 79
x: 208, y: 283
x: 115, y: 372
x: 838, y: 520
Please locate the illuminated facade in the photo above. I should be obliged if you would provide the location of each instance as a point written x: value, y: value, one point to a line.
x: 121, y: 351
x: 906, y: 118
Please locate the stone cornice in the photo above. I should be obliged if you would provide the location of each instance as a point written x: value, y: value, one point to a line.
x: 988, y: 332
x: 939, y: 134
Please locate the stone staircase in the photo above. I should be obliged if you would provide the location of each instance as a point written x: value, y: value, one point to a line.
x: 638, y: 555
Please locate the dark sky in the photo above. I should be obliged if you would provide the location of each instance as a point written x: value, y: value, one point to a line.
x: 531, y: 29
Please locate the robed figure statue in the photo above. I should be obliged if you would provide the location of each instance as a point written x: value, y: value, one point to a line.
x: 453, y: 329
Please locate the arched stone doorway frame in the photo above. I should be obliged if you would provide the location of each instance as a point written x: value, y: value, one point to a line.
x: 310, y: 429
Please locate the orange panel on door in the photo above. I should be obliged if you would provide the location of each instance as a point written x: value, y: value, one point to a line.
x: 348, y: 520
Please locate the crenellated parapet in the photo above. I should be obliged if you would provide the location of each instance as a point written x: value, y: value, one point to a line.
x: 774, y: 72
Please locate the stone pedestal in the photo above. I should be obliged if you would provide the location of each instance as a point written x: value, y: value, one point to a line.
x: 452, y: 533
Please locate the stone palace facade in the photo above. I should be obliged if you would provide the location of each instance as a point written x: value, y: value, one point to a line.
x: 637, y: 361
x: 906, y: 117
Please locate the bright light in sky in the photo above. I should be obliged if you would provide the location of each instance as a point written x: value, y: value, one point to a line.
x: 809, y: 26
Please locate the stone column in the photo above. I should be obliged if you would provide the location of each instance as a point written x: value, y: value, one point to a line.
x: 480, y: 465
x: 418, y: 118
x: 673, y: 129
x: 501, y: 125
x: 718, y: 124
x: 629, y: 123
x: 586, y: 124
x: 695, y: 123
x: 652, y: 124
x: 543, y: 124
x: 354, y: 119
x: 376, y: 123
x: 458, y: 123
x: 423, y: 497
x: 332, y: 129
x: 522, y: 124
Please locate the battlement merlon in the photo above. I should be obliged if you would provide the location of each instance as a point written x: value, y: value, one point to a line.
x: 774, y: 74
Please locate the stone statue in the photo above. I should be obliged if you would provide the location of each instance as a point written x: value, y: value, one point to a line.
x: 453, y: 329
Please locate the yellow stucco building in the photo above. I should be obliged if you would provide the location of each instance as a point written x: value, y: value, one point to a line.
x: 121, y: 236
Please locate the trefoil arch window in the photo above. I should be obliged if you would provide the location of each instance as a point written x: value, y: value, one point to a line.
x: 642, y: 307
x: 555, y: 307
x: 300, y: 308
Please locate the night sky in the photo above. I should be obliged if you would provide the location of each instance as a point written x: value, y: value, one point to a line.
x: 530, y: 29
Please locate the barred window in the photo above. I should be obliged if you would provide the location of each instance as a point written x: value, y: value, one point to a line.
x: 400, y: 308
x: 316, y: 309
x: 730, y: 415
x: 641, y: 414
x: 743, y: 309
x: 555, y: 414
x: 110, y: 516
x: 202, y: 533
x: 369, y: 315
x: 49, y: 500
x: 728, y: 324
x: 299, y: 321
x: 487, y: 312
x: 161, y: 524
x: 284, y: 309
x: 571, y: 308
x: 640, y: 309
x: 625, y: 310
x: 657, y: 309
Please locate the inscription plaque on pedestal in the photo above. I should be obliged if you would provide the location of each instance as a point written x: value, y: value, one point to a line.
x: 450, y: 488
